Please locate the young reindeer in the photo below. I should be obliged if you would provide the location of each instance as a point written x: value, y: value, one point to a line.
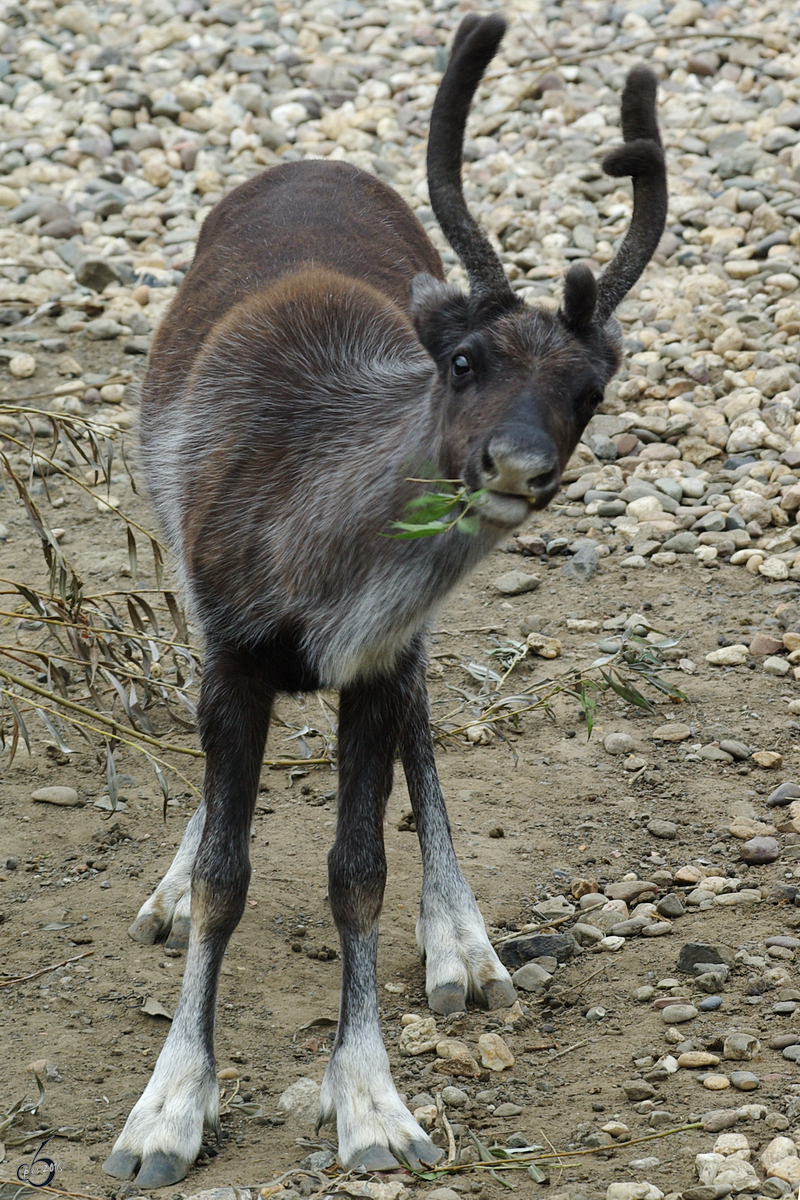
x: 312, y: 363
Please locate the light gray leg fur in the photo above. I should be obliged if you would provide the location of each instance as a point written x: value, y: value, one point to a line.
x: 164, y: 1131
x: 460, y: 961
x: 166, y: 913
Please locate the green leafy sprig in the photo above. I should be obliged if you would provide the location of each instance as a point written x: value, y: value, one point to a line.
x: 439, y: 511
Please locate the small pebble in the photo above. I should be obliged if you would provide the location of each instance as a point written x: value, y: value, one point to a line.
x: 618, y: 743
x: 64, y: 797
x: 677, y: 1014
x: 516, y: 583
x: 759, y: 850
x: 495, y: 1054
x: 744, y: 1081
x: 22, y: 366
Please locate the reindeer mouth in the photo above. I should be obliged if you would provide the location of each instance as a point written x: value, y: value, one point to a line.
x: 504, y: 508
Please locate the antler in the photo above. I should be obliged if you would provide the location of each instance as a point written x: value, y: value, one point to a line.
x: 474, y: 46
x: 641, y: 157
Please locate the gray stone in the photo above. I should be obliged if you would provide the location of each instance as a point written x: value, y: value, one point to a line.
x: 784, y: 794
x: 737, y: 750
x: 677, y: 1014
x: 662, y: 829
x: 638, y: 1089
x: 760, y: 850
x: 531, y: 978
x: 454, y: 1097
x: 618, y: 743
x: 630, y: 928
x: 516, y: 583
x: 670, y: 906
x: 682, y: 543
x: 222, y: 1193
x: 301, y: 1100
x: 744, y: 1081
x: 637, y: 488
x: 103, y: 329
x: 719, y: 1119
x: 630, y: 890
x: 583, y: 565
x: 715, y: 970
x: 741, y: 1047
x: 507, y: 1110
x: 96, y: 273
x: 711, y: 522
x: 64, y: 797
x: 714, y: 754
x: 517, y: 951
x: 611, y: 508
x: 700, y: 952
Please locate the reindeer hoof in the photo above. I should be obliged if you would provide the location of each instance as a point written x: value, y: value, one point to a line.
x: 448, y: 998
x: 146, y: 929
x: 499, y: 993
x: 422, y: 1155
x: 160, y: 1170
x: 374, y: 1158
x: 179, y: 934
x: 122, y: 1163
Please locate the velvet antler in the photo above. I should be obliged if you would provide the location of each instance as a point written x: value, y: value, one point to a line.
x: 474, y: 46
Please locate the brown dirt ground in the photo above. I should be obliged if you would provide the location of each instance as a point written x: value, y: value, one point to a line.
x: 566, y: 808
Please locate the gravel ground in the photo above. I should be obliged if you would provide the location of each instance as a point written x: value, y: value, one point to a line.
x: 121, y: 125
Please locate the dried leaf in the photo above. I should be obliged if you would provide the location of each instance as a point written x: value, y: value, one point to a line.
x: 154, y: 1008
x: 131, y: 552
x: 158, y: 561
x: 111, y: 776
x: 178, y: 619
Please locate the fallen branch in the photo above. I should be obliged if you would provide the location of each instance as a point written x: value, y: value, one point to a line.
x: 569, y: 1049
x: 43, y: 971
x: 40, y: 1187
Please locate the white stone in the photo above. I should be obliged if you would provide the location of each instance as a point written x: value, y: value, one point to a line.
x: 775, y: 666
x: 301, y: 1100
x: 420, y: 1037
x: 788, y: 1169
x: 22, y: 366
x: 729, y: 656
x: 731, y: 1143
x: 633, y: 1191
x: 779, y: 1148
x: 646, y: 508
x: 685, y: 12
x: 774, y: 568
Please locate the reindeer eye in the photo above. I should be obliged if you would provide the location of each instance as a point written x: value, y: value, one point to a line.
x: 461, y: 366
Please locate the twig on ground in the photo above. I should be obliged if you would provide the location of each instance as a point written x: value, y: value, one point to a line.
x: 40, y: 1187
x: 43, y: 971
x: 569, y: 1049
x: 451, y: 1141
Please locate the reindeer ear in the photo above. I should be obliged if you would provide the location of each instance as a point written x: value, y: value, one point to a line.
x: 580, y: 298
x: 440, y: 314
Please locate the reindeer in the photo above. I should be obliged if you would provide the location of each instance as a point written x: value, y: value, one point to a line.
x: 312, y: 361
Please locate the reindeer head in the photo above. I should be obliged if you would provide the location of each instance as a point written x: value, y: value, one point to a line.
x: 518, y: 384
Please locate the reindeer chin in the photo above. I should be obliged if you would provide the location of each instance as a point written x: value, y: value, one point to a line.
x: 501, y: 508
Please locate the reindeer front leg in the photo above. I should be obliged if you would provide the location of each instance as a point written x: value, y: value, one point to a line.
x: 163, y: 1134
x: 460, y: 962
x: 375, y: 1128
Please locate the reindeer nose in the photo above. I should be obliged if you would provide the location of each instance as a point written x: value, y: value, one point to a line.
x: 517, y: 472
